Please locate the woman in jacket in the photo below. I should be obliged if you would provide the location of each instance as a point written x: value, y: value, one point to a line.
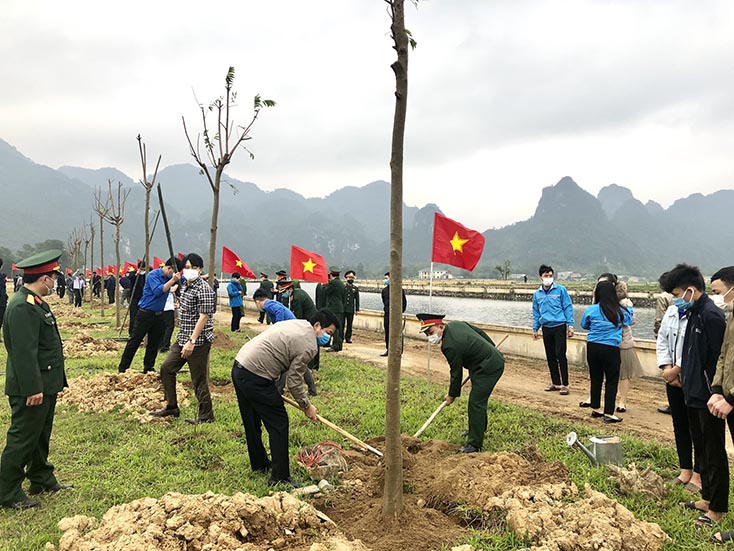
x: 630, y: 367
x: 604, y: 320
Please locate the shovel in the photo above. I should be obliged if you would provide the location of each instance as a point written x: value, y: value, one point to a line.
x: 345, y: 434
x: 444, y: 404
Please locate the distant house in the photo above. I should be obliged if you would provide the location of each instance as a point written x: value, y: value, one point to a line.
x: 437, y: 274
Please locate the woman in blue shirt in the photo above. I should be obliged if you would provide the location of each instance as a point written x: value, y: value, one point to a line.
x: 604, y: 321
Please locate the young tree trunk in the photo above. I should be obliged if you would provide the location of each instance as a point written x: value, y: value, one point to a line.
x: 392, y: 506
x: 213, y: 230
x: 117, y: 276
x: 91, y: 261
x: 147, y: 228
x: 101, y: 254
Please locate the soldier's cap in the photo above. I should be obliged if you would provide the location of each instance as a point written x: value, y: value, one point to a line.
x: 334, y: 270
x: 429, y: 320
x: 263, y: 274
x: 41, y: 263
x: 280, y: 273
x: 285, y: 283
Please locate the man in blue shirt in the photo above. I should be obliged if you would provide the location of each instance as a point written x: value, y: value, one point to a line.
x: 235, y: 292
x: 274, y: 309
x: 553, y: 312
x: 149, y: 319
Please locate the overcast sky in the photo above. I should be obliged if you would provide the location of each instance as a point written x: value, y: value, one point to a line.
x: 506, y: 96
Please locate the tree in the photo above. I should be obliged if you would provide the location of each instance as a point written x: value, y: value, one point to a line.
x: 148, y: 186
x: 504, y: 269
x: 221, y: 147
x: 102, y: 208
x: 392, y: 506
x: 92, y: 231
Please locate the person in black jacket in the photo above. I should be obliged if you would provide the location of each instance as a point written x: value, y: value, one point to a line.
x: 3, y: 293
x: 386, y: 310
x: 701, y: 348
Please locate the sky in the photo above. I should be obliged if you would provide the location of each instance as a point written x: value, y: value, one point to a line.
x: 505, y: 97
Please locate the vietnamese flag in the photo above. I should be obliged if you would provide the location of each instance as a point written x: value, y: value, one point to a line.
x: 129, y: 267
x: 158, y: 263
x: 14, y: 267
x: 455, y: 244
x: 231, y: 263
x: 308, y: 266
x: 98, y: 271
x: 89, y: 274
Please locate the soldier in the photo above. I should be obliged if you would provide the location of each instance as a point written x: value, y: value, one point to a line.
x: 3, y: 294
x: 35, y: 375
x: 319, y: 296
x: 335, y: 295
x: 267, y: 286
x: 280, y: 275
x: 386, y: 310
x: 467, y: 346
x: 351, y: 304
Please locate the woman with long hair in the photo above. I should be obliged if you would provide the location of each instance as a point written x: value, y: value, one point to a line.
x: 630, y: 367
x: 604, y: 321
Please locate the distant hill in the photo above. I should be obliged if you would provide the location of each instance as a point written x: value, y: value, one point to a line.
x: 570, y: 229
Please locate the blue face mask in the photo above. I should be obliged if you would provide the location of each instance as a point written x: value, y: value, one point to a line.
x: 323, y: 339
x: 681, y: 303
x: 386, y: 281
x: 286, y: 294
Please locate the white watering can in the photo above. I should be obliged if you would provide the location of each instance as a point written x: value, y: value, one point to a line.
x: 604, y: 449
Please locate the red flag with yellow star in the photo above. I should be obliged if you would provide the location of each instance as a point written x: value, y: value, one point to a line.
x: 308, y: 266
x: 455, y: 244
x: 231, y: 263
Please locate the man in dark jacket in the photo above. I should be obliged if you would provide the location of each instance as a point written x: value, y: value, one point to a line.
x: 110, y: 284
x: 335, y: 298
x: 701, y: 347
x: 137, y: 286
x: 267, y: 286
x: 351, y: 304
x: 3, y: 293
x: 386, y: 309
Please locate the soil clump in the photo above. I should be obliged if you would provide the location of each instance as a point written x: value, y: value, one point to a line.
x: 84, y: 345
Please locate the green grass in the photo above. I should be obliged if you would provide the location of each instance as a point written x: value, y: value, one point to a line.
x: 112, y: 459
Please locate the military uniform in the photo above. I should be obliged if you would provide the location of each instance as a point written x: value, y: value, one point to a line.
x: 267, y: 286
x: 351, y: 306
x: 277, y: 293
x: 303, y: 308
x: 335, y: 295
x: 320, y: 296
x: 301, y: 304
x: 35, y: 365
x: 3, y: 296
x: 466, y: 346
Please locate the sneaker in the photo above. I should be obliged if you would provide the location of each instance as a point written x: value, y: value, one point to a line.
x: 564, y: 391
x: 612, y: 419
x: 198, y: 421
x: 468, y: 448
x: 552, y: 388
x: 665, y: 410
x: 166, y: 412
x: 290, y: 481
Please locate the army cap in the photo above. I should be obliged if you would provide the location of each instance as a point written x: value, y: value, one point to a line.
x: 281, y: 273
x: 429, y: 320
x: 283, y: 283
x: 334, y: 270
x: 41, y: 263
x: 263, y: 274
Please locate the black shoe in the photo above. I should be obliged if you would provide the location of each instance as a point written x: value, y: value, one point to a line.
x: 596, y: 414
x: 199, y: 421
x: 166, y: 412
x: 665, y: 410
x: 612, y: 419
x: 290, y: 481
x: 34, y: 491
x: 149, y: 370
x: 348, y: 341
x: 384, y: 354
x: 468, y: 448
x: 332, y: 349
x: 25, y: 503
x: 584, y: 404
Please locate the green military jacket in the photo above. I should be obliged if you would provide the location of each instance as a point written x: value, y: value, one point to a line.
x: 351, y: 299
x: 35, y: 354
x: 267, y: 286
x: 301, y: 305
x: 467, y: 346
x: 335, y: 296
x: 320, y: 296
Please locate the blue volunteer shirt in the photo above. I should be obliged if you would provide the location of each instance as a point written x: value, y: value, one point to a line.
x: 277, y: 311
x: 233, y: 290
x: 601, y: 330
x: 552, y: 308
x: 154, y: 299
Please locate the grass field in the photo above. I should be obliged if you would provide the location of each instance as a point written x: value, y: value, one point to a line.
x: 112, y: 459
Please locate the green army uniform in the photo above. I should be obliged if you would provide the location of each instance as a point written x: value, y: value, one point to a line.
x: 467, y: 346
x: 301, y: 304
x: 267, y: 286
x: 335, y: 295
x: 35, y: 365
x: 351, y: 306
x: 320, y: 296
x: 277, y: 293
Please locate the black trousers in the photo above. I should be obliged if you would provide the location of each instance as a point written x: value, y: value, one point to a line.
x: 133, y: 315
x: 236, y: 317
x: 169, y: 322
x: 261, y: 404
x: 26, y: 449
x: 77, y: 297
x: 714, y: 461
x: 554, y: 340
x: 199, y: 369
x: 146, y: 323
x: 386, y: 325
x: 687, y: 448
x: 111, y: 296
x: 604, y: 362
x: 338, y: 337
x: 2, y: 314
x: 348, y: 321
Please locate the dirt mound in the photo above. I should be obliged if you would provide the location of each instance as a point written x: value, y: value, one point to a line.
x: 136, y: 393
x: 82, y: 344
x: 206, y: 522
x: 631, y: 481
x: 448, y: 492
x: 63, y: 310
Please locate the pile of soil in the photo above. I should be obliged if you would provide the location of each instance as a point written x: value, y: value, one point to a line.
x: 446, y: 493
x: 206, y: 522
x: 63, y: 310
x: 631, y: 481
x: 136, y: 393
x: 85, y: 345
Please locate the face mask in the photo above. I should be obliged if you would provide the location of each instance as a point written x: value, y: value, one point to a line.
x: 50, y: 290
x: 190, y: 274
x: 286, y: 294
x: 386, y: 282
x: 720, y: 300
x: 547, y: 281
x: 681, y: 303
x: 323, y: 339
x: 350, y: 281
x: 434, y: 339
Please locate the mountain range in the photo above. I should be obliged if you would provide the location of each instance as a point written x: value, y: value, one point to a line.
x: 570, y: 229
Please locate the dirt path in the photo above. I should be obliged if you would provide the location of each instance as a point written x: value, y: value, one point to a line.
x: 522, y: 383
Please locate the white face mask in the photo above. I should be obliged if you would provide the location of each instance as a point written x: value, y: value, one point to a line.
x: 435, y: 338
x: 50, y: 290
x: 547, y: 281
x: 190, y: 274
x: 720, y: 300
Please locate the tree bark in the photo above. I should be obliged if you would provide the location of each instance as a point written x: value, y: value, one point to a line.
x: 117, y: 275
x: 392, y: 506
x: 101, y: 253
x: 215, y: 217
